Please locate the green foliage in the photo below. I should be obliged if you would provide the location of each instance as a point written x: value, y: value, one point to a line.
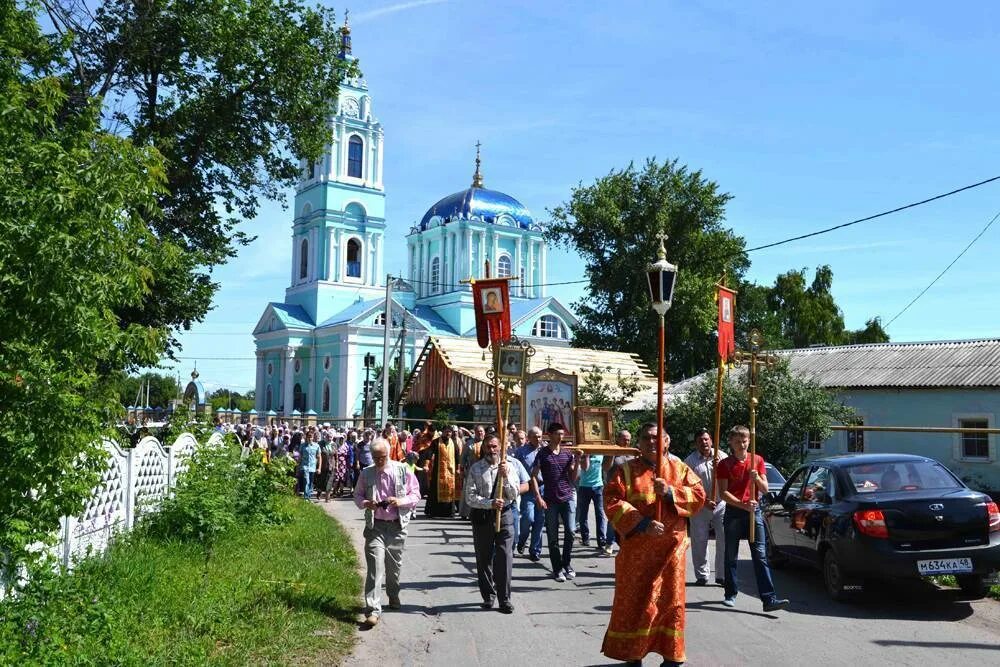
x: 162, y: 389
x: 219, y: 491
x: 596, y: 391
x: 282, y: 594
x: 790, y: 408
x: 226, y: 398
x: 792, y: 314
x: 233, y: 94
x: 75, y: 249
x: 613, y: 225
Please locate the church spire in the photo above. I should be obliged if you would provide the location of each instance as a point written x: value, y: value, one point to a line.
x: 477, y: 177
x: 345, y: 36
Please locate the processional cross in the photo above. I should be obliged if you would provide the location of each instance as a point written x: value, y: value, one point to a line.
x: 755, y: 359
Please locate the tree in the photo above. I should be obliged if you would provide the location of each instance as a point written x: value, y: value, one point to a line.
x: 613, y: 225
x: 790, y: 314
x: 790, y: 409
x: 227, y: 398
x: 76, y: 248
x: 233, y: 94
x: 597, y: 391
x: 162, y: 390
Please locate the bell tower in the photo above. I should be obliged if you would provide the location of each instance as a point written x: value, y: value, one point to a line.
x: 339, y: 218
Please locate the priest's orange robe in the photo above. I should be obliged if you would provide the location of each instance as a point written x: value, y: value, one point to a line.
x: 648, y: 611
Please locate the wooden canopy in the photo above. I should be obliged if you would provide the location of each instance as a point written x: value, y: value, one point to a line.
x: 452, y: 371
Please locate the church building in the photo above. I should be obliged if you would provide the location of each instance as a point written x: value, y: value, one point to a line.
x: 312, y: 346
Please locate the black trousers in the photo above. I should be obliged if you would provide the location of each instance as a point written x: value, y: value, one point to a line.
x: 494, y: 556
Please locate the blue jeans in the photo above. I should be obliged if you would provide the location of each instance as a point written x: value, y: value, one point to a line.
x: 736, y: 523
x: 586, y: 495
x: 307, y: 484
x: 559, y: 513
x: 532, y: 521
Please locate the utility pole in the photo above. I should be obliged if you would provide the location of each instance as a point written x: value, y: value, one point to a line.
x: 385, y: 351
x: 401, y: 370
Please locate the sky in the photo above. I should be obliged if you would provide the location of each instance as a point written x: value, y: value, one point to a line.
x: 808, y: 114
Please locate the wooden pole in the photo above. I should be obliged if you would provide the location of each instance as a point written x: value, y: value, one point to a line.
x: 718, y: 430
x: 500, y: 430
x: 753, y: 451
x: 659, y: 415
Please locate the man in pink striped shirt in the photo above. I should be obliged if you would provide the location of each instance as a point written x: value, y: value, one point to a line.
x: 388, y: 492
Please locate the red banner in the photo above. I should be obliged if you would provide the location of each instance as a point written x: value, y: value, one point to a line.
x: 727, y: 315
x: 491, y: 298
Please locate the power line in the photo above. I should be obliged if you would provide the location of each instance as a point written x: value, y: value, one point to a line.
x: 931, y: 284
x: 872, y: 217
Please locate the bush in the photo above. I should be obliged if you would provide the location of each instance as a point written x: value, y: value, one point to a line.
x: 219, y: 491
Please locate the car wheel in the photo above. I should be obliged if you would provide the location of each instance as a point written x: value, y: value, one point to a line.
x: 775, y: 558
x: 833, y: 577
x: 973, y: 585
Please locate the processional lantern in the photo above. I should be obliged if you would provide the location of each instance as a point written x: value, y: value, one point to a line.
x: 661, y: 276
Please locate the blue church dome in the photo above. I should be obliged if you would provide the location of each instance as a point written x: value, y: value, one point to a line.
x: 478, y: 203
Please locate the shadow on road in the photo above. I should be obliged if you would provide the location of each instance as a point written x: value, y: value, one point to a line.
x: 944, y: 645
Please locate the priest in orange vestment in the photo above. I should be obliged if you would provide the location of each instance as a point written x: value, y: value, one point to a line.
x: 648, y: 611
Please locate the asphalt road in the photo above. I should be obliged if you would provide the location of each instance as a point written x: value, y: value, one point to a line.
x: 562, y: 624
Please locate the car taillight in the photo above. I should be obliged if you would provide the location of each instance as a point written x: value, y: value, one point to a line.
x: 871, y: 523
x: 993, y: 517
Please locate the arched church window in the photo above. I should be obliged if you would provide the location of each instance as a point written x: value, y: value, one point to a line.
x: 503, y: 266
x: 548, y: 326
x: 267, y: 398
x: 436, y: 274
x: 355, y: 153
x: 298, y: 398
x: 326, y: 396
x: 307, y: 208
x: 304, y: 259
x: 326, y: 363
x: 353, y: 258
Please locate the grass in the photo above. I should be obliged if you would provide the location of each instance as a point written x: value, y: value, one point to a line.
x: 949, y: 580
x: 286, y: 594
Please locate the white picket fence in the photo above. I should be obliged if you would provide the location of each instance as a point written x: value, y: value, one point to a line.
x: 133, y: 483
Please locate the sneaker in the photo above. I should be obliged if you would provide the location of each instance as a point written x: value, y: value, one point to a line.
x: 570, y: 573
x: 775, y: 604
x: 560, y: 577
x: 520, y: 549
x: 607, y: 551
x: 729, y: 602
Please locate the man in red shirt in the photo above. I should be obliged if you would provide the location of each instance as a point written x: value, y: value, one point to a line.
x: 741, y: 481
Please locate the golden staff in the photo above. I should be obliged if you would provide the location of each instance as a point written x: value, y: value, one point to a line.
x: 754, y: 360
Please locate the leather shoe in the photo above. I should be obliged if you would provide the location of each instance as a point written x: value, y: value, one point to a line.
x: 720, y: 581
x: 395, y: 604
x: 534, y: 558
x: 700, y: 582
x: 775, y: 604
x: 486, y: 604
x: 506, y: 608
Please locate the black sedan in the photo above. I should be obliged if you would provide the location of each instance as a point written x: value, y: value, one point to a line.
x: 877, y: 516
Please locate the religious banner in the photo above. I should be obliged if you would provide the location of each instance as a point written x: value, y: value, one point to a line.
x: 727, y: 336
x: 491, y: 299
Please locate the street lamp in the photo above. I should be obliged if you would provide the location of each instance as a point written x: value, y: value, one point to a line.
x: 661, y: 276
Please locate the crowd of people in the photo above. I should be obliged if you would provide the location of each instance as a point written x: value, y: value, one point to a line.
x: 510, y: 493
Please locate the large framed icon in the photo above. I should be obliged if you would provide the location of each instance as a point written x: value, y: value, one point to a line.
x: 511, y: 362
x: 549, y: 397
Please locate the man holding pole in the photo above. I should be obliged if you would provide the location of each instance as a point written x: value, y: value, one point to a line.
x: 741, y: 481
x: 701, y: 461
x: 494, y: 482
x: 648, y: 611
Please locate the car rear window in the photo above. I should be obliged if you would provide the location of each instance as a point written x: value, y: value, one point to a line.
x: 901, y: 476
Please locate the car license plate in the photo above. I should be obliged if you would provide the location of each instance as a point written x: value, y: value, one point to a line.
x: 944, y: 566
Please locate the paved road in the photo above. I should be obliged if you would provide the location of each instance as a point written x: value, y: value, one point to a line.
x: 562, y: 624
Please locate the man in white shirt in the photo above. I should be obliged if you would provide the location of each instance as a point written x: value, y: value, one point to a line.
x: 700, y: 461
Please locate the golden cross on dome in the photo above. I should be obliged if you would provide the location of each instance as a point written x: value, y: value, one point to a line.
x: 477, y: 178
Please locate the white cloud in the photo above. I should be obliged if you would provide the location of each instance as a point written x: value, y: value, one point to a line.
x: 392, y: 9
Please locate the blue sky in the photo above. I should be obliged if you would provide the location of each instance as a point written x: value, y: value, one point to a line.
x: 809, y: 114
